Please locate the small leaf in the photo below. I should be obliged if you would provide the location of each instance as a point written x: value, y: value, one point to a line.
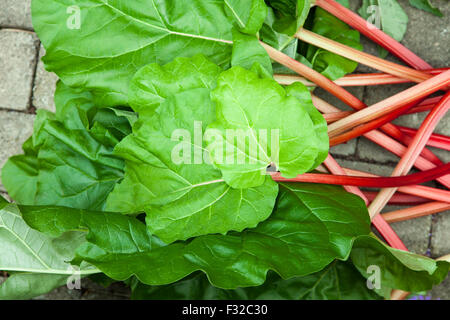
x: 426, y: 5
x: 249, y: 15
x: 268, y: 125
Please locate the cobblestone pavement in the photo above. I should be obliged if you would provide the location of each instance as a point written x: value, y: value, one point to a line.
x: 25, y: 86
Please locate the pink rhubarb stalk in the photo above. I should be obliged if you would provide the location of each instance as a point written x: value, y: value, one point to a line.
x: 361, y: 57
x: 369, y: 182
x: 373, y: 33
x: 412, y: 153
x: 416, y: 212
x: 436, y: 140
x: 314, y: 76
x: 354, y: 80
x: 388, y: 105
x: 383, y: 228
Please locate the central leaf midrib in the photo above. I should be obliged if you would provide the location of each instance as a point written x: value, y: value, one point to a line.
x: 165, y: 29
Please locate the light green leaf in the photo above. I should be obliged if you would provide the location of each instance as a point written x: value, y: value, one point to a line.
x: 99, y: 45
x: 398, y: 269
x: 310, y: 227
x: 268, y: 126
x: 301, y: 92
x: 68, y: 161
x: 31, y: 257
x: 154, y: 83
x: 249, y: 54
x: 249, y: 15
x: 193, y: 192
x: 426, y: 5
x: 24, y: 286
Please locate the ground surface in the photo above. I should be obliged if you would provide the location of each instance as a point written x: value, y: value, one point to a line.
x: 25, y: 86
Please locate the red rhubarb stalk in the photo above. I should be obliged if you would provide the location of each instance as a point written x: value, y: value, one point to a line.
x: 314, y: 76
x: 370, y: 182
x: 355, y: 80
x: 398, y: 198
x: 436, y: 140
x: 412, y: 153
x: 372, y: 32
x: 361, y: 57
x: 415, y: 190
x: 388, y: 105
x: 416, y: 212
x: 381, y: 139
x: 383, y: 228
x: 399, y: 150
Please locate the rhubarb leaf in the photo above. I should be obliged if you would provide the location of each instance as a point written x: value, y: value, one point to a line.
x: 397, y: 267
x: 68, y: 161
x: 329, y: 64
x: 301, y: 92
x: 259, y: 124
x: 291, y: 14
x: 310, y: 227
x: 31, y: 257
x: 250, y: 54
x: 99, y: 45
x: 338, y: 281
x: 193, y: 192
x: 426, y: 5
x: 170, y: 147
x: 154, y: 83
x: 249, y: 15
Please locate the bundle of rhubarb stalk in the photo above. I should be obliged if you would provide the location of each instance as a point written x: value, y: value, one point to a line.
x: 188, y: 156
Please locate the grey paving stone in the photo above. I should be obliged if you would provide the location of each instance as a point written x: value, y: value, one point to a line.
x: 17, y: 64
x: 375, y: 94
x: 356, y: 91
x: 378, y: 169
x: 429, y: 36
x: 440, y: 241
x: 16, y: 14
x: 15, y: 128
x: 442, y: 154
x: 368, y: 150
x: 415, y: 120
x: 442, y: 291
x: 44, y: 86
x: 345, y: 149
x: 414, y: 233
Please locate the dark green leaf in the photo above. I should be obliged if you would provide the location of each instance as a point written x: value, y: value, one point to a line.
x: 114, y: 39
x: 426, y: 5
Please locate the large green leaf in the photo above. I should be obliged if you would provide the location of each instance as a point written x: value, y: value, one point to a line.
x: 68, y: 161
x: 398, y: 269
x: 32, y: 257
x: 258, y: 124
x: 338, y: 281
x: 193, y: 193
x: 116, y: 38
x: 310, y: 227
